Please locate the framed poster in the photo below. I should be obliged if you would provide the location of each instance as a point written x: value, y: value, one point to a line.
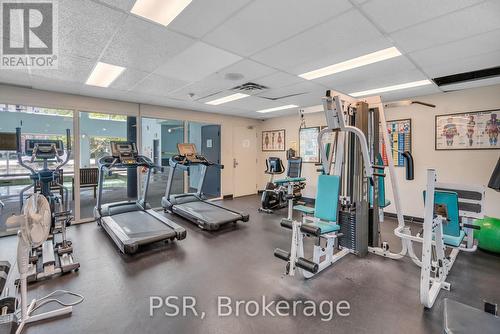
x: 477, y: 130
x: 400, y: 141
x: 273, y: 140
x: 308, y: 144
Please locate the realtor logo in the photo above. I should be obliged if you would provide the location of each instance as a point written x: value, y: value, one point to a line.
x: 29, y: 34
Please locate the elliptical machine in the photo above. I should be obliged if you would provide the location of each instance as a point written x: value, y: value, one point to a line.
x: 277, y: 192
x: 55, y: 255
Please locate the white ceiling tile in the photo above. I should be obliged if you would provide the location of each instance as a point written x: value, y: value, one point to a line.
x: 279, y: 79
x: 158, y: 85
x: 455, y: 66
x: 410, y: 93
x: 143, y: 45
x: 303, y: 88
x: 455, y: 26
x: 457, y: 53
x: 206, y: 15
x: 396, y: 69
x: 128, y: 79
x: 15, y: 77
x: 197, y: 62
x: 125, y: 5
x: 250, y: 70
x: 393, y: 15
x: 218, y: 82
x: 264, y: 23
x: 70, y: 68
x: 331, y: 42
x: 85, y: 27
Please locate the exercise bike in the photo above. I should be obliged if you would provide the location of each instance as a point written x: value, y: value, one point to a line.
x: 55, y: 256
x: 278, y: 192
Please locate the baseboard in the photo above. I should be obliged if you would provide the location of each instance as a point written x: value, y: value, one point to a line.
x: 230, y: 196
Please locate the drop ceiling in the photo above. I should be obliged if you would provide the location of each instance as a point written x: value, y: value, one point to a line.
x: 195, y: 58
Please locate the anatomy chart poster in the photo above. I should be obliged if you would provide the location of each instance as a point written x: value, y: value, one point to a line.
x: 468, y: 131
x: 273, y: 140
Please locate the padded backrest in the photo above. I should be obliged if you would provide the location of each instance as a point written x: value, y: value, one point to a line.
x: 449, y: 199
x: 381, y: 187
x: 327, y: 198
x: 294, y: 167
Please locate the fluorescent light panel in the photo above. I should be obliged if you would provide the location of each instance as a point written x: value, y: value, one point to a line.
x: 226, y: 99
x: 391, y: 88
x: 367, y: 59
x: 289, y: 106
x: 104, y: 74
x: 160, y: 11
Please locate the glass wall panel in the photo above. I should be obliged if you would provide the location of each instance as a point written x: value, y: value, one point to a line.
x: 97, y: 130
x: 159, y: 143
x: 35, y: 123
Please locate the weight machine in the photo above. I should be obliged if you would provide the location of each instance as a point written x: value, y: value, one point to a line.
x: 347, y: 212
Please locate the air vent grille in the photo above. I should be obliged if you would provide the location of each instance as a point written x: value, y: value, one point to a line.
x: 468, y: 76
x: 250, y: 88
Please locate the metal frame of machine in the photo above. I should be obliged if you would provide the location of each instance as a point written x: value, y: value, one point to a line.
x: 353, y: 124
x: 194, y: 206
x: 53, y: 257
x: 116, y: 218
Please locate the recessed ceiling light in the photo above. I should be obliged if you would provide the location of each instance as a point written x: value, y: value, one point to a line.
x: 226, y: 99
x: 289, y: 106
x: 160, y: 11
x: 367, y: 59
x: 391, y: 88
x: 104, y: 74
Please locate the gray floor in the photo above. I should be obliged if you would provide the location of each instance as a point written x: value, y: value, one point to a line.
x: 238, y: 262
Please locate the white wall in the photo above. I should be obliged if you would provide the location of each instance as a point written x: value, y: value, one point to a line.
x: 466, y: 167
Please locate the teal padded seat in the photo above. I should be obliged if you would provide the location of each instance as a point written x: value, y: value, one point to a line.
x: 454, y: 241
x: 304, y: 209
x: 453, y: 235
x: 382, y: 201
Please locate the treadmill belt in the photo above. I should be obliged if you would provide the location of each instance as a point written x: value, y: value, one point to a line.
x: 207, y: 212
x: 139, y: 224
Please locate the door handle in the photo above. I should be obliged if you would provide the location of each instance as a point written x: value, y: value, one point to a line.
x: 235, y: 163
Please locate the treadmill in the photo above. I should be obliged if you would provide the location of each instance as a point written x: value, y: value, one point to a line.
x: 194, y: 206
x: 132, y: 224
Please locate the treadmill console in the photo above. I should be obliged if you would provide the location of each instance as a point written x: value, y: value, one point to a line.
x: 125, y: 151
x: 188, y: 154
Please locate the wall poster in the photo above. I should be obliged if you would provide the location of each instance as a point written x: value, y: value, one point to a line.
x: 308, y: 144
x: 400, y: 138
x: 478, y: 130
x: 273, y: 140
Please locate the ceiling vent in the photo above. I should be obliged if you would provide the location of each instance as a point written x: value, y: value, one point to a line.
x: 250, y: 88
x: 466, y: 77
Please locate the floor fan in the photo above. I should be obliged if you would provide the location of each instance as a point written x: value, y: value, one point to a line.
x: 34, y: 228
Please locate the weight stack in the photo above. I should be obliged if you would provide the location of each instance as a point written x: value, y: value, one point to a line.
x: 347, y: 222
